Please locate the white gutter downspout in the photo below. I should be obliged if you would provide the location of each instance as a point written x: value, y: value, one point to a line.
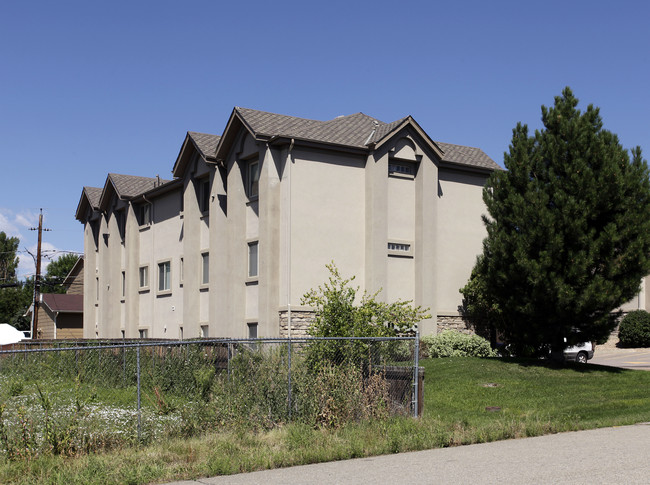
x: 289, y: 163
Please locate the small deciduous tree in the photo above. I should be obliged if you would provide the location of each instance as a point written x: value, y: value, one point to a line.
x: 337, y: 314
x: 568, y: 232
x: 8, y: 258
x: 56, y: 273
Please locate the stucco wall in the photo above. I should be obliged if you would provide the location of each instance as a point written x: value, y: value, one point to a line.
x: 327, y: 219
x: 460, y: 234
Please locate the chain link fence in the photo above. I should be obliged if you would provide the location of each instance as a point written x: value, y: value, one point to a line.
x: 73, y: 397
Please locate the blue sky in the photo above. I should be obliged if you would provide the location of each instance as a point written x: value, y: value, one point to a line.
x: 88, y: 88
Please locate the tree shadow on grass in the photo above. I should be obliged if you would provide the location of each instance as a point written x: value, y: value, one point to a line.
x: 548, y: 364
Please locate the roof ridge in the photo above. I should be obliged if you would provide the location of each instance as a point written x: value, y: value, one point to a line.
x: 239, y: 109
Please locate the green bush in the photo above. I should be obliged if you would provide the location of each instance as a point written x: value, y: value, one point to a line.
x: 339, y: 312
x: 455, y: 344
x: 634, y: 330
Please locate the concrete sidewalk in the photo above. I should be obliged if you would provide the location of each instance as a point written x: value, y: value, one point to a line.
x: 600, y: 456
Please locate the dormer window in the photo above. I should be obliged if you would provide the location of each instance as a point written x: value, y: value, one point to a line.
x: 252, y: 179
x: 401, y: 168
x: 120, y: 220
x: 204, y: 195
x: 145, y: 214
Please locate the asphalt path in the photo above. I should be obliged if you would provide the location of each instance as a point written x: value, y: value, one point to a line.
x: 599, y: 456
x: 638, y: 359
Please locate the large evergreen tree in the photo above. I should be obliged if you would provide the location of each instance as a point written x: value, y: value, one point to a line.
x: 568, y: 232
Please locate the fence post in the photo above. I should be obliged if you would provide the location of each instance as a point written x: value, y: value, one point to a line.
x: 124, y: 365
x: 229, y: 356
x: 138, y: 387
x: 289, y: 373
x: 416, y: 374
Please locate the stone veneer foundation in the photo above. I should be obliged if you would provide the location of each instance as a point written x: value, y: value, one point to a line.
x: 454, y: 322
x: 300, y: 322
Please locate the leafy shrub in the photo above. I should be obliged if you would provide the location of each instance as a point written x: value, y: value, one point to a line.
x: 336, y: 314
x: 455, y: 344
x: 634, y: 330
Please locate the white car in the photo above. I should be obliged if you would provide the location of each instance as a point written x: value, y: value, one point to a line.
x: 580, y: 353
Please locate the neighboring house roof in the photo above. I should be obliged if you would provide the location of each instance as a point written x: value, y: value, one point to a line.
x: 77, y: 268
x: 63, y: 303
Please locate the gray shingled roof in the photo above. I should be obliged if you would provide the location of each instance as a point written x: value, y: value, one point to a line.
x: 353, y: 130
x: 205, y: 143
x: 132, y: 185
x: 94, y: 194
x: 466, y: 156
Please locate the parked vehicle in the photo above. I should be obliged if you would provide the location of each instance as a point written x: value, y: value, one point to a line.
x: 580, y: 353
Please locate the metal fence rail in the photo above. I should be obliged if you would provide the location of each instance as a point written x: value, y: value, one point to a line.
x: 139, y: 390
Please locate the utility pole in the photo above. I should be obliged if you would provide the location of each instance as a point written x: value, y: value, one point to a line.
x: 37, y: 278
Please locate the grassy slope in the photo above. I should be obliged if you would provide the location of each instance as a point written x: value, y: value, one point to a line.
x: 533, y: 399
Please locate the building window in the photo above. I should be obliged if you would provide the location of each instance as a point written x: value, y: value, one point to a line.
x: 120, y: 219
x: 252, y: 179
x: 205, y: 331
x: 123, y: 333
x: 399, y: 247
x: 123, y: 284
x: 205, y: 268
x: 143, y: 333
x: 164, y: 276
x: 144, y: 277
x: 401, y: 168
x: 253, y: 259
x: 402, y: 249
x: 180, y: 333
x: 145, y: 214
x: 204, y: 194
x: 181, y: 270
x: 252, y: 330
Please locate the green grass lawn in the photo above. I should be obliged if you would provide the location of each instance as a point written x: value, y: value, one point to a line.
x: 467, y: 400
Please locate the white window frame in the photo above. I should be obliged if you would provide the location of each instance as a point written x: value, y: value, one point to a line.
x: 205, y: 268
x: 253, y: 270
x: 143, y: 271
x: 181, y: 270
x: 123, y: 285
x: 165, y: 284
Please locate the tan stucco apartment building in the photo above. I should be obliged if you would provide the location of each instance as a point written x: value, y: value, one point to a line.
x: 250, y: 218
